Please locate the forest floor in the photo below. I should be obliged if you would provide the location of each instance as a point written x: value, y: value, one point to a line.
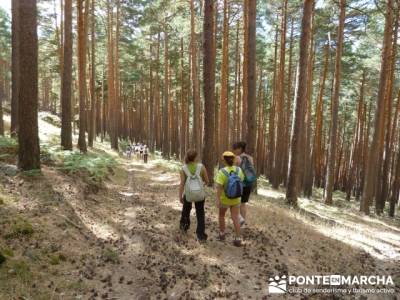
x: 64, y: 239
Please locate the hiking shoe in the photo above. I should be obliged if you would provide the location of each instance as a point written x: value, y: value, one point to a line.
x: 237, y: 242
x: 202, y: 238
x: 221, y: 237
x: 183, y: 228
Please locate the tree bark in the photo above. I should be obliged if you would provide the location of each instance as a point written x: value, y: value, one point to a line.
x: 82, y: 74
x: 28, y: 133
x: 66, y: 81
x: 224, y: 110
x: 251, y: 133
x: 92, y: 121
x: 165, y: 118
x: 372, y: 164
x: 209, y: 88
x: 280, y: 130
x: 301, y: 98
x: 195, y: 82
x: 14, y: 68
x: 335, y: 106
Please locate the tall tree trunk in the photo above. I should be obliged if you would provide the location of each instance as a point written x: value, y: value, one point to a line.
x: 379, y: 122
x: 195, y: 82
x: 335, y: 106
x: 383, y: 178
x: 271, y: 125
x: 301, y: 98
x: 235, y: 110
x: 28, y: 135
x: 165, y: 118
x: 251, y: 133
x: 92, y: 122
x: 2, y: 93
x: 244, y: 124
x: 14, y: 68
x: 280, y: 130
x: 66, y: 82
x: 288, y: 103
x: 82, y: 74
x: 317, y: 151
x: 184, y: 106
x: 209, y: 88
x: 112, y: 106
x: 224, y: 110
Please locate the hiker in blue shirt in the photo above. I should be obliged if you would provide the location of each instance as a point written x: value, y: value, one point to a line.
x: 246, y: 163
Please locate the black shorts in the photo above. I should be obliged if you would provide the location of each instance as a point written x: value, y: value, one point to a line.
x: 246, y: 194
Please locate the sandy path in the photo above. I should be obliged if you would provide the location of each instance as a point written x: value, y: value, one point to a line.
x: 158, y: 262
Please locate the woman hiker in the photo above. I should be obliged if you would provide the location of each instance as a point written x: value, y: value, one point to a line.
x: 246, y: 163
x: 193, y: 179
x: 229, y: 180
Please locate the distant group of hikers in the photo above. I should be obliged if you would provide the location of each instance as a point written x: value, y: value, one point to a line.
x: 234, y: 183
x: 140, y: 150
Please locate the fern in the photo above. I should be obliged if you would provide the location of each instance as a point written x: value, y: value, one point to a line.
x: 96, y: 166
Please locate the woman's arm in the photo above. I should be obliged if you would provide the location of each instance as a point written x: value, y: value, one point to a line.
x: 181, y: 186
x: 219, y: 192
x: 205, y: 176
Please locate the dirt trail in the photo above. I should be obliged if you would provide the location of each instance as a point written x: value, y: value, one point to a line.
x: 123, y: 242
x: 157, y: 262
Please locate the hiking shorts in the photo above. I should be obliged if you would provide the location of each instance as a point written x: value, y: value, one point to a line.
x: 228, y: 206
x: 246, y: 194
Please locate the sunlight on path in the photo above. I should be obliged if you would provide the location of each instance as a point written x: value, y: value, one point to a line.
x: 370, y: 234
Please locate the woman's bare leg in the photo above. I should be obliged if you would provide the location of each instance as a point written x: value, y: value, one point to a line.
x: 235, y: 218
x: 221, y: 219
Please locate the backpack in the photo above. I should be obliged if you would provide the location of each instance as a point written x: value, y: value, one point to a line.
x: 248, y: 170
x: 234, y: 186
x: 194, y: 187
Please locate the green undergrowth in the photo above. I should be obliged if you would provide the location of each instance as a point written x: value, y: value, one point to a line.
x: 8, y: 148
x: 95, y: 166
x: 172, y: 164
x: 123, y: 145
x: 20, y: 227
x: 53, y: 120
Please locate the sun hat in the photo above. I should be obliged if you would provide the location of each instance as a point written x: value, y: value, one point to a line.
x: 228, y: 154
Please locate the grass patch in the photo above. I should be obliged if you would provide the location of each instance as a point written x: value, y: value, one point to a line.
x: 32, y: 173
x: 57, y: 259
x: 78, y: 285
x: 110, y: 255
x: 170, y: 165
x: 8, y: 252
x: 53, y: 120
x: 123, y: 145
x: 21, y: 270
x: 95, y: 166
x: 8, y: 143
x: 20, y: 228
x: 8, y: 148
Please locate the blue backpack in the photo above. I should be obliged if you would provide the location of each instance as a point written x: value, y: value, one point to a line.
x: 234, y: 186
x: 250, y: 174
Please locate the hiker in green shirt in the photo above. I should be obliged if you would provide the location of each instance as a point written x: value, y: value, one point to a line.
x: 229, y: 190
x: 191, y: 190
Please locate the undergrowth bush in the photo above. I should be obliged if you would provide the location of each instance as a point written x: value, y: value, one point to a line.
x: 123, y: 145
x: 51, y: 119
x: 95, y: 166
x: 8, y: 148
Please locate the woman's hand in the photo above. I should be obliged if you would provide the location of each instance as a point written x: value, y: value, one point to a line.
x: 181, y: 199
